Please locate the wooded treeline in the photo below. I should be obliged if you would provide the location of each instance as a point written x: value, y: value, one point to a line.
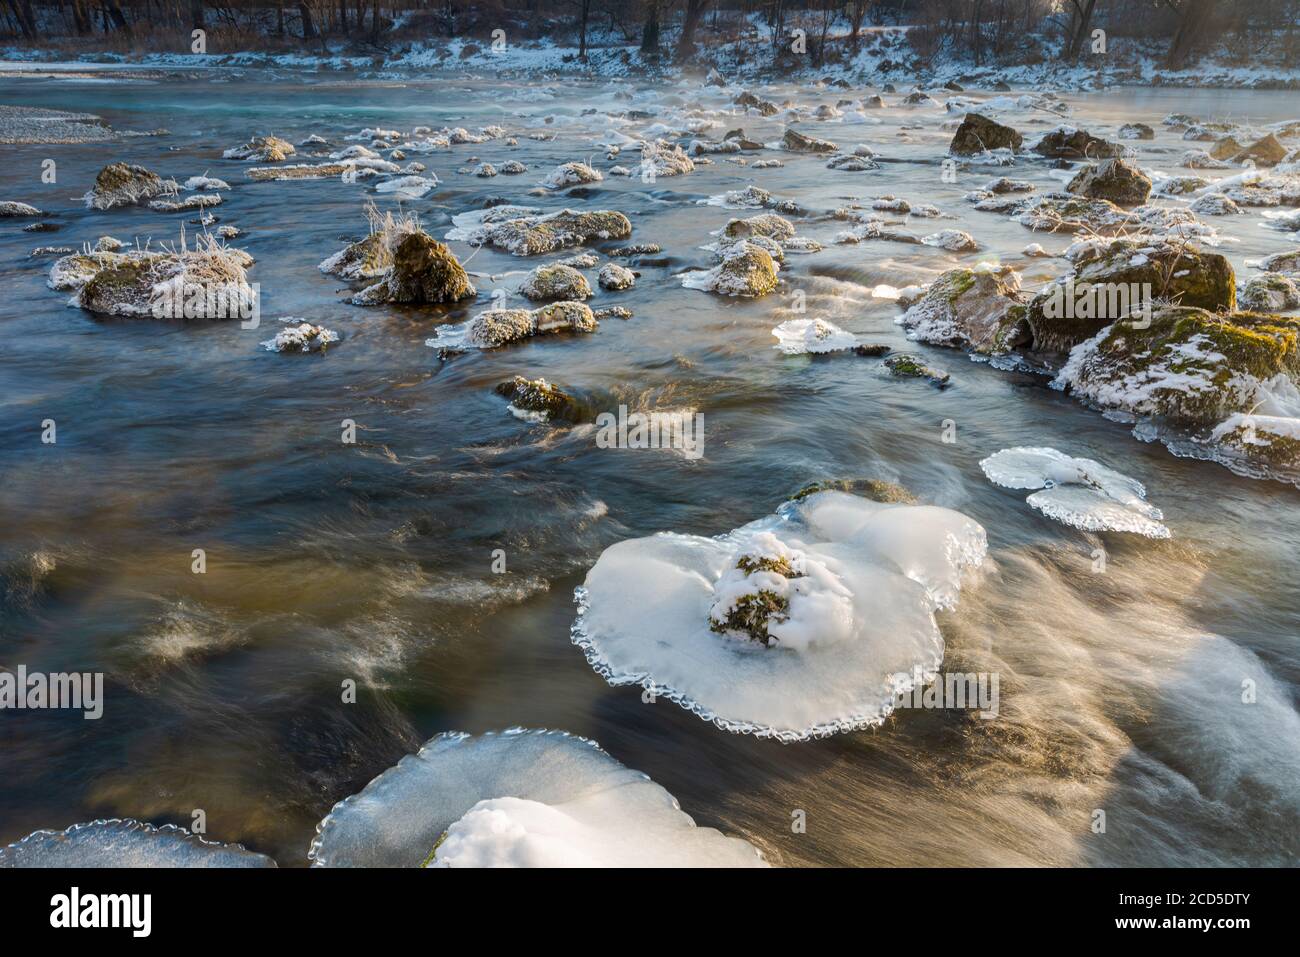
x: 985, y: 30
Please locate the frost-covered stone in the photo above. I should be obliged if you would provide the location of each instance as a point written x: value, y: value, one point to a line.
x: 1114, y: 179
x: 208, y: 281
x: 262, y: 149
x: 1068, y: 142
x: 555, y: 282
x: 615, y: 277
x: 747, y: 269
x: 978, y: 134
x: 1270, y: 292
x: 797, y: 142
x: 571, y: 174
x: 981, y: 309
x: 953, y: 240
x: 523, y: 232
x: 1115, y: 279
x: 121, y: 184
x: 12, y: 209
x: 301, y: 337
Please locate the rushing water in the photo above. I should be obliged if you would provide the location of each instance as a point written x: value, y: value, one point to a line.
x: 1120, y: 690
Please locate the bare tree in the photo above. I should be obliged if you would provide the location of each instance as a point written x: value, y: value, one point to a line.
x: 650, y: 33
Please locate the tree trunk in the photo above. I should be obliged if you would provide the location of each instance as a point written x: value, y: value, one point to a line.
x: 1083, y: 21
x: 196, y: 14
x: 650, y: 35
x: 582, y: 30
x: 308, y: 25
x: 115, y: 14
x: 694, y: 10
x: 23, y: 15
x: 79, y: 18
x: 1191, y: 28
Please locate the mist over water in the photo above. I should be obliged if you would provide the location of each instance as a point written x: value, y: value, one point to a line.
x: 1120, y: 690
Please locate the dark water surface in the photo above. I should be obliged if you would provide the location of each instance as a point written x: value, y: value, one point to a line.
x: 326, y: 562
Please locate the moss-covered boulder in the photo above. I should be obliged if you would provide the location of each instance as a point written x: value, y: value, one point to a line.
x: 980, y: 309
x: 1068, y: 142
x: 555, y: 282
x: 423, y: 271
x: 1126, y: 275
x: 1114, y: 179
x: 122, y: 184
x: 1189, y: 367
x: 978, y: 133
x: 1266, y: 151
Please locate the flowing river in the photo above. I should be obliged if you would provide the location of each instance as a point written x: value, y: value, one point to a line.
x: 1121, y: 688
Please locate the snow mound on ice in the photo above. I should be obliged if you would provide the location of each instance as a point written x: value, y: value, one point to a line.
x: 853, y: 613
x: 519, y: 798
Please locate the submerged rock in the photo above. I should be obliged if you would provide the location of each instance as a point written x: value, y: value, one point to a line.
x: 878, y: 490
x: 423, y: 271
x: 555, y: 282
x: 981, y: 309
x: 906, y: 366
x: 120, y: 184
x: 1116, y: 180
x: 978, y: 134
x: 540, y: 398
